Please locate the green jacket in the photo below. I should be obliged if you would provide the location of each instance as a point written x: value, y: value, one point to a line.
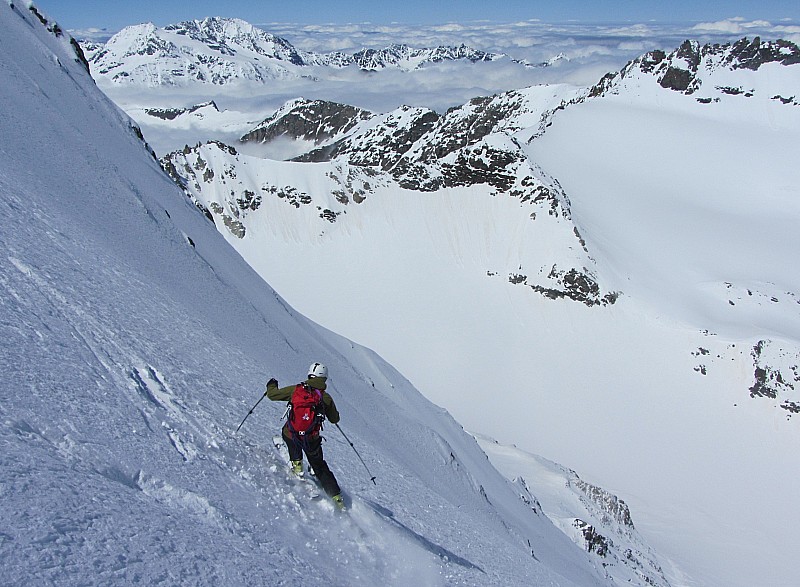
x: 284, y: 394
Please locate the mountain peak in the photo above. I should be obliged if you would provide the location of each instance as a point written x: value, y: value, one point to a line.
x: 230, y: 35
x: 226, y: 50
x: 311, y: 120
x: 753, y: 54
x: 713, y: 67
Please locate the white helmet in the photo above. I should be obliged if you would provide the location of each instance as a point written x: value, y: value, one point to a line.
x: 318, y: 370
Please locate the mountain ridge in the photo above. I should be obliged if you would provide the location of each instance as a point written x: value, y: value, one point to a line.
x: 227, y: 50
x: 685, y: 68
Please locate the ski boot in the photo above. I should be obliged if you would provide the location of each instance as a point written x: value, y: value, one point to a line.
x: 297, y: 468
x: 338, y: 502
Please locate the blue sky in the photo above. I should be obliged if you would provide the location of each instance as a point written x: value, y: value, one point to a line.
x: 113, y: 15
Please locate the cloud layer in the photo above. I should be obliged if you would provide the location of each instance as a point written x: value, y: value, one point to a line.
x: 532, y: 40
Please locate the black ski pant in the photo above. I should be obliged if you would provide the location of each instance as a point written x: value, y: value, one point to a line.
x: 312, y: 447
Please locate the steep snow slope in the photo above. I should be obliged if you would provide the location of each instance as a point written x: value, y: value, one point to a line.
x: 680, y: 396
x: 133, y: 340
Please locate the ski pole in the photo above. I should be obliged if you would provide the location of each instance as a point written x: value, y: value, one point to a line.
x: 371, y: 476
x: 251, y: 410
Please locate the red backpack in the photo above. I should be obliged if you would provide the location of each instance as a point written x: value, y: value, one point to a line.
x: 306, y: 411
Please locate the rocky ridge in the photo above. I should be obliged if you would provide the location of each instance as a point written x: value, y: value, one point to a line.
x: 595, y: 519
x: 413, y: 149
x: 692, y: 67
x: 55, y: 29
x: 777, y: 375
x: 716, y: 68
x: 402, y: 56
x: 309, y: 120
x: 173, y: 113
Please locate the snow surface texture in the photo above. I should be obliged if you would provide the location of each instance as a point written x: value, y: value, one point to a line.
x: 133, y: 342
x: 676, y: 185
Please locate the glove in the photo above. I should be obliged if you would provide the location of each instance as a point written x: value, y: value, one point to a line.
x: 272, y: 382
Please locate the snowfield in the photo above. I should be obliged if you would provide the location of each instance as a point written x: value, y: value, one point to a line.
x: 692, y: 210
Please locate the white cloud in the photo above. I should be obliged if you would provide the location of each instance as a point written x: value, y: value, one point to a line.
x: 736, y: 25
x: 449, y: 28
x: 532, y: 40
x: 92, y: 34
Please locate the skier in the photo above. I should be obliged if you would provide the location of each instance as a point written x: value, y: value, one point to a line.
x: 309, y: 405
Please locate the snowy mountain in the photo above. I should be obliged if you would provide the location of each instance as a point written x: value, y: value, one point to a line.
x: 222, y: 51
x: 407, y: 58
x: 135, y: 339
x: 370, y: 156
x: 706, y: 70
x: 214, y: 50
x: 690, y: 208
x: 624, y: 249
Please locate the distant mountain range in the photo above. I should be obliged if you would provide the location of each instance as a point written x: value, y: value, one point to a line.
x: 225, y: 50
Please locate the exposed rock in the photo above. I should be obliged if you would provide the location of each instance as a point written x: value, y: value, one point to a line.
x: 483, y: 164
x: 579, y: 286
x: 382, y: 145
x: 677, y: 79
x: 776, y: 375
x: 310, y: 120
x: 593, y: 540
x: 613, y: 507
x: 689, y: 66
x: 173, y: 113
x: 753, y: 54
